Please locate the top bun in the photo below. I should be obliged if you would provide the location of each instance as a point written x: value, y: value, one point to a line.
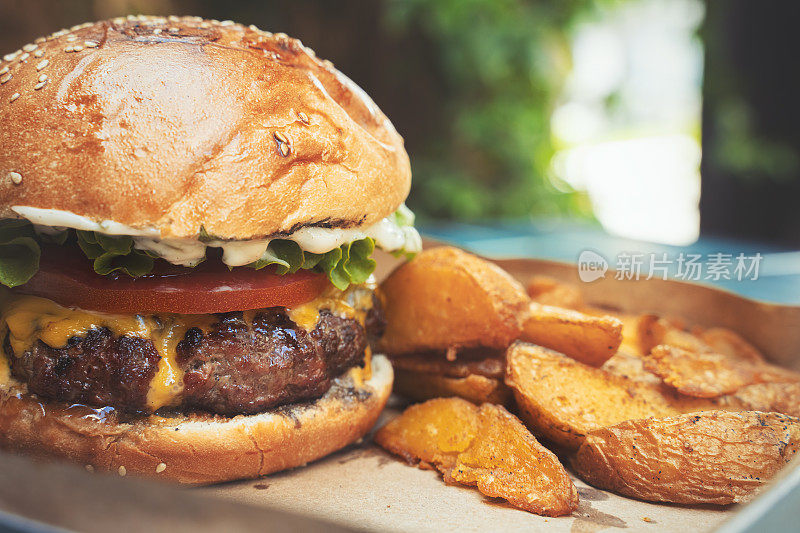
x: 171, y: 124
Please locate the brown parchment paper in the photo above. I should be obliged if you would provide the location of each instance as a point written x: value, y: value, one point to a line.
x: 365, y: 488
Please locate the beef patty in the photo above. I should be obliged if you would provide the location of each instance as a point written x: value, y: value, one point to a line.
x: 236, y: 367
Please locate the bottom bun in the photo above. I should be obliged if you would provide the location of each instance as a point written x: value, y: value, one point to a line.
x: 197, y: 448
x: 421, y: 386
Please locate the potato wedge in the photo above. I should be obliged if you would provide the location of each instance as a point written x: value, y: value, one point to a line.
x: 446, y: 297
x: 654, y: 330
x: 730, y: 343
x: 477, y: 389
x: 549, y: 291
x: 708, y: 374
x: 629, y: 366
x: 714, y: 457
x: 586, y: 338
x: 630, y: 334
x: 778, y: 397
x: 563, y: 400
x: 482, y: 446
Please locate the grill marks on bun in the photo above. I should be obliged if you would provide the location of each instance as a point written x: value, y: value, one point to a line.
x: 180, y: 122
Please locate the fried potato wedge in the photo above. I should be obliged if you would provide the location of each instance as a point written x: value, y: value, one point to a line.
x: 768, y: 397
x: 482, y: 446
x: 563, y: 400
x: 653, y: 330
x: 630, y: 334
x: 715, y: 457
x: 419, y: 386
x: 629, y: 366
x: 777, y: 397
x: 549, y: 291
x: 445, y: 297
x: 586, y: 338
x: 730, y: 343
x: 708, y: 374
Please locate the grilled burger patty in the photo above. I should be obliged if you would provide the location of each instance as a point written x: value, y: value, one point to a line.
x: 236, y: 367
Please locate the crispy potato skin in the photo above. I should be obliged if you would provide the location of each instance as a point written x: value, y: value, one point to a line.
x: 709, y: 374
x: 475, y: 388
x: 730, y: 343
x: 715, y: 457
x: 564, y: 400
x: 778, y: 397
x: 447, y: 298
x: 549, y: 291
x: 482, y: 446
x: 586, y: 338
x: 653, y: 330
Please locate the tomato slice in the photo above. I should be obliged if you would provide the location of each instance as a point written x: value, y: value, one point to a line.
x: 66, y: 277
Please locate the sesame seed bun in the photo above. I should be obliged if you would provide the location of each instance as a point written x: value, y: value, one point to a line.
x: 176, y: 123
x: 197, y: 449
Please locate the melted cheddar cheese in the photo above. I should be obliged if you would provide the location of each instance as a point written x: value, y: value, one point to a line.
x: 355, y: 302
x: 28, y: 319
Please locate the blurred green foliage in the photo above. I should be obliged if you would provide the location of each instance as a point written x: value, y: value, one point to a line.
x: 502, y: 64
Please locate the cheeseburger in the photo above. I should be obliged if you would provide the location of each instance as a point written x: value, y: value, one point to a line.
x: 189, y: 210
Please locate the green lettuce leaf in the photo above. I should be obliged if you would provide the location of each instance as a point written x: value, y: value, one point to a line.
x: 112, y: 253
x: 348, y: 264
x: 19, y: 252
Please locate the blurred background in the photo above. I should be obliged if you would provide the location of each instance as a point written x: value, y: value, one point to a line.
x: 544, y: 125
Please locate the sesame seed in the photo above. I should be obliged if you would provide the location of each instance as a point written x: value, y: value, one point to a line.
x: 76, y: 27
x: 5, y: 78
x: 131, y: 17
x: 40, y: 40
x: 71, y: 39
x: 43, y: 77
x: 14, y: 97
x: 78, y: 48
x: 226, y: 23
x: 30, y: 47
x: 69, y: 49
x: 15, y: 177
x: 119, y: 20
x: 160, y: 468
x: 60, y: 33
x: 304, y: 117
x: 38, y: 53
x: 39, y: 85
x: 89, y: 468
x: 10, y: 57
x: 3, y: 70
x: 280, y: 137
x: 157, y: 31
x: 122, y: 471
x: 253, y: 27
x: 24, y: 57
x: 90, y: 44
x: 42, y: 64
x: 174, y: 30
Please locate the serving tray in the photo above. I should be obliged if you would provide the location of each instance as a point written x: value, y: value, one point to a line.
x: 364, y: 488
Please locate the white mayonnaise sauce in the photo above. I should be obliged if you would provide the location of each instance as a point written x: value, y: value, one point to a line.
x: 388, y: 236
x: 65, y: 219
